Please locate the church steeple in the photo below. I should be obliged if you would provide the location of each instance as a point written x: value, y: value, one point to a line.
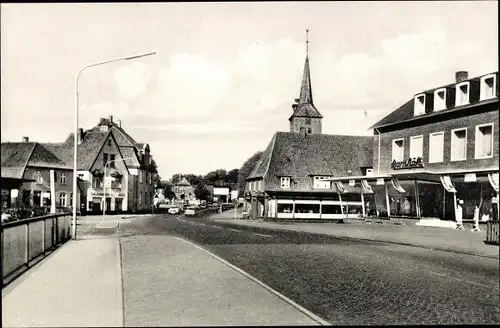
x: 305, y: 118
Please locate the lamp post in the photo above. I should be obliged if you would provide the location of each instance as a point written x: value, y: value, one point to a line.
x: 75, y: 153
x: 105, y: 166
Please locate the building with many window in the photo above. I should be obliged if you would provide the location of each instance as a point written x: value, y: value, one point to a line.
x: 439, y: 147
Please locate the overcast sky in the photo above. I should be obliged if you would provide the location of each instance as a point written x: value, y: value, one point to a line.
x: 225, y: 74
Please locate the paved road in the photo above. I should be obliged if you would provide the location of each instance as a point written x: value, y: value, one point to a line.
x: 349, y: 282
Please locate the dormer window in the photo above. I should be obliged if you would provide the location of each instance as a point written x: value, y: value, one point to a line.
x: 419, y: 105
x: 321, y: 182
x: 104, y: 128
x: 488, y: 87
x: 285, y: 182
x: 462, y: 94
x: 439, y: 99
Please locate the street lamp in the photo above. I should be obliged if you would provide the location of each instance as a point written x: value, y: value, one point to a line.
x: 75, y: 154
x: 105, y: 166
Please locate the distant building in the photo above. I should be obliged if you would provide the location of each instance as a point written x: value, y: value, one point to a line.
x: 183, y: 190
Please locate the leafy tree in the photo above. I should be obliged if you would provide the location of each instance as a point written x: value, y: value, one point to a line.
x: 194, y: 179
x: 175, y: 178
x: 201, y: 192
x: 232, y: 176
x: 215, y: 177
x: 246, y: 169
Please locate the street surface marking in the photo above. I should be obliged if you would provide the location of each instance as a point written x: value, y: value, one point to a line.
x: 268, y: 236
x: 233, y: 229
x: 249, y: 276
x: 462, y: 280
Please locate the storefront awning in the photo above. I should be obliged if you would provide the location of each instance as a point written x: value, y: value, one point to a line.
x: 493, y: 177
x: 397, y: 185
x: 447, y: 183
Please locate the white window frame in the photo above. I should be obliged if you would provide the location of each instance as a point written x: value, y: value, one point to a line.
x: 418, y: 106
x: 63, y: 199
x: 104, y: 128
x: 421, y: 150
x: 484, y: 86
x: 458, y: 92
x: 287, y: 183
x: 39, y: 177
x: 140, y: 176
x: 441, y: 159
x: 452, y: 145
x: 63, y: 178
x: 438, y: 103
x: 258, y: 185
x: 393, y: 144
x: 476, y: 154
x: 321, y: 179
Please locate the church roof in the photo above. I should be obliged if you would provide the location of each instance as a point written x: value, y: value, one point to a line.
x: 305, y: 106
x: 300, y: 157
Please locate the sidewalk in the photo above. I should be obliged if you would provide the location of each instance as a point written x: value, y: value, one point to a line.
x: 152, y: 281
x: 466, y: 242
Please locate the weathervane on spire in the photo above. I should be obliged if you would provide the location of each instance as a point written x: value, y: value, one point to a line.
x: 307, y: 41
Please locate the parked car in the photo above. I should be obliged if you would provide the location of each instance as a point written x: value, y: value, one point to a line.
x: 190, y: 211
x: 174, y: 210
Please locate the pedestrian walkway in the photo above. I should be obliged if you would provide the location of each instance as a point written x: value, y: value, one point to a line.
x: 466, y: 242
x: 153, y: 281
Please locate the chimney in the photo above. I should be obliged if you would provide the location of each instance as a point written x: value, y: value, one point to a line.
x: 120, y: 123
x: 102, y: 120
x: 80, y: 135
x: 461, y: 76
x: 26, y: 139
x: 111, y: 118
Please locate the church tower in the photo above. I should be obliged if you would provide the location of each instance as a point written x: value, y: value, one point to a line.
x: 305, y: 118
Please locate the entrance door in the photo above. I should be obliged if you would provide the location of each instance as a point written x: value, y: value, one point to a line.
x: 108, y: 204
x: 118, y: 204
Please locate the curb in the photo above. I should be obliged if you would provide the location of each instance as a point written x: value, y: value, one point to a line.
x: 108, y: 225
x: 268, y: 229
x: 301, y: 309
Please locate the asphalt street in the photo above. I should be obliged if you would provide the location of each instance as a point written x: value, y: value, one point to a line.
x: 348, y: 282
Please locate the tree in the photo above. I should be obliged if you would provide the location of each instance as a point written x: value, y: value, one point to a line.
x: 246, y: 169
x: 232, y: 176
x: 201, y: 192
x: 175, y: 178
x: 194, y: 179
x: 216, y: 176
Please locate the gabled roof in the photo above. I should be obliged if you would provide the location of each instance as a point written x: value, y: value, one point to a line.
x: 128, y: 146
x: 90, y: 147
x: 16, y: 154
x: 183, y: 182
x: 406, y: 111
x: 301, y: 156
x: 305, y: 106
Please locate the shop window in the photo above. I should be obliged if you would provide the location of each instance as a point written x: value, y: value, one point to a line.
x: 331, y: 209
x: 307, y: 208
x: 321, y: 182
x: 436, y: 147
x: 488, y: 86
x: 419, y: 105
x: 351, y: 197
x: 398, y: 149
x: 285, y: 208
x: 416, y: 146
x: 484, y: 141
x: 62, y: 199
x: 285, y: 182
x: 439, y: 99
x: 402, y: 203
x: 462, y: 94
x: 459, y: 144
x: 38, y: 177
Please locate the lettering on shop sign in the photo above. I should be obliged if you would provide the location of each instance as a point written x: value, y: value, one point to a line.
x: 410, y: 163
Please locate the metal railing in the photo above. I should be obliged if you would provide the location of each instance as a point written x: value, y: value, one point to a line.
x: 492, y: 232
x: 25, y: 242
